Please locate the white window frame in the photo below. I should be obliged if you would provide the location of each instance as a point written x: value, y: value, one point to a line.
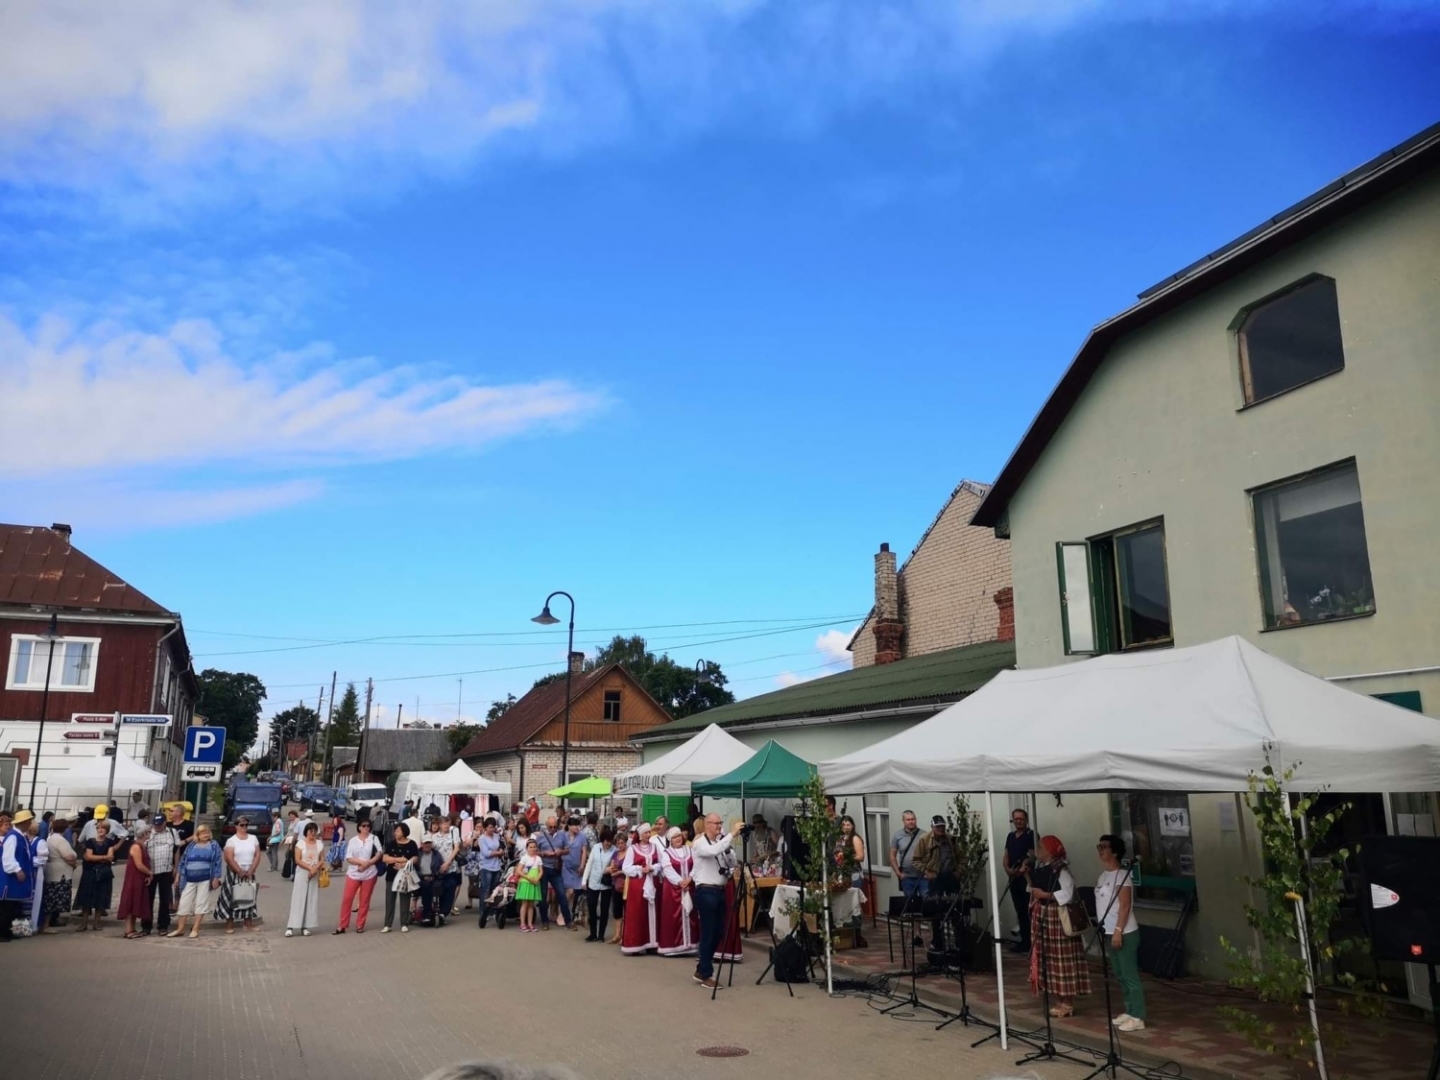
x: 56, y: 686
x: 877, y: 855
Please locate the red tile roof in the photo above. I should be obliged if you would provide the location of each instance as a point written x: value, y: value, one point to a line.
x: 39, y: 567
x: 523, y: 720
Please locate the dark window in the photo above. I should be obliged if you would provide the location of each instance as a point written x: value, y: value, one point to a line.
x: 1291, y: 340
x: 1310, y: 538
x: 1114, y: 591
x: 612, y: 705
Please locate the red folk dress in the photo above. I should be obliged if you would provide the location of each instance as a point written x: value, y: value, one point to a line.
x: 641, y: 931
x: 678, y: 929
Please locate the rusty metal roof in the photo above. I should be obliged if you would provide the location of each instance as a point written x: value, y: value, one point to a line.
x: 40, y: 568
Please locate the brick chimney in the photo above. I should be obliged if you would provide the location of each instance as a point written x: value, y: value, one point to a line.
x: 577, y: 663
x: 62, y: 530
x: 1005, y: 601
x: 888, y: 629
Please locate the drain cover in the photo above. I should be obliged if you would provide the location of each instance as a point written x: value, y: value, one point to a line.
x: 722, y: 1051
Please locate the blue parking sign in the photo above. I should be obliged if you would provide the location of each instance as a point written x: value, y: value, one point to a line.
x: 204, y: 745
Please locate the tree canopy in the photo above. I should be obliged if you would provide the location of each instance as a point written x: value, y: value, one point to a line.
x: 345, y: 723
x: 678, y: 688
x: 231, y: 699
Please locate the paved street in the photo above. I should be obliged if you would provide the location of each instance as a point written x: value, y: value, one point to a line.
x: 254, y: 1006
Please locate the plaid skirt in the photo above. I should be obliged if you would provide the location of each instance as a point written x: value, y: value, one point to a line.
x: 1063, y: 966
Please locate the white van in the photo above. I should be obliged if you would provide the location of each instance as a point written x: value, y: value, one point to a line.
x: 370, y: 796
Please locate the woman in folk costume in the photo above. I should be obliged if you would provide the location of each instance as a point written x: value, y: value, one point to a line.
x: 17, y: 871
x: 678, y: 930
x: 1062, y: 966
x: 642, y: 867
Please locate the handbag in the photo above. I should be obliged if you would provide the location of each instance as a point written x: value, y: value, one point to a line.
x: 323, y: 879
x: 243, y: 894
x: 473, y: 891
x: 406, y: 881
x: 1074, y: 919
x: 288, y: 871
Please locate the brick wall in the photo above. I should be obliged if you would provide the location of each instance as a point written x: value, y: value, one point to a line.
x: 542, y: 767
x: 948, y: 585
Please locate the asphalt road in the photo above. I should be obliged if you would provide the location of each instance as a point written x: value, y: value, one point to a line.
x: 96, y: 1007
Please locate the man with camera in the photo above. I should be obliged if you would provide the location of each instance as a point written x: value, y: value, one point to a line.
x: 714, y: 861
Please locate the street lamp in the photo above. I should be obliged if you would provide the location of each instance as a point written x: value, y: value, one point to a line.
x: 54, y: 634
x: 702, y: 678
x: 546, y: 619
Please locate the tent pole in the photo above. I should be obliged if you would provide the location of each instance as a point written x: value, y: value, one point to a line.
x: 825, y: 899
x: 995, y: 920
x: 1300, y: 929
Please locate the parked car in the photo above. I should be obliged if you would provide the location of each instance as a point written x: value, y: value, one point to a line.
x: 316, y: 797
x: 254, y: 801
x: 367, y: 796
x: 340, y: 801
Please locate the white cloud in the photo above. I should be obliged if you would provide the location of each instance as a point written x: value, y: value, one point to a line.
x: 158, y: 91
x: 789, y: 678
x: 833, y: 646
x: 108, y: 398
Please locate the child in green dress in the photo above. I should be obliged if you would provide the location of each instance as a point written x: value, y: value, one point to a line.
x: 528, y: 891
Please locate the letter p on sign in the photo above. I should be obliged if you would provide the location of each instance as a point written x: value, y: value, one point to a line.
x: 204, y: 745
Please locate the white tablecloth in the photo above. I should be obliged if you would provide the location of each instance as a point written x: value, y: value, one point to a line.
x: 844, y: 906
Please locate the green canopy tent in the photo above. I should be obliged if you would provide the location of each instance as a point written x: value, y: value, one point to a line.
x: 772, y: 773
x: 592, y: 787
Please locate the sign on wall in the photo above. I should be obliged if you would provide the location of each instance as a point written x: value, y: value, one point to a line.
x: 1174, y: 821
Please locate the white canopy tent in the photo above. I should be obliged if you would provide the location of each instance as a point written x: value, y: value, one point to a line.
x: 459, y: 779
x: 1198, y: 719
x: 91, y: 776
x: 710, y: 753
x: 1195, y: 719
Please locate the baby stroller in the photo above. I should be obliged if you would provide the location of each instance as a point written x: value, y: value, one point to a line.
x: 500, y: 904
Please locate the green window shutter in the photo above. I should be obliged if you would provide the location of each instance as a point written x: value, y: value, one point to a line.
x: 1077, y: 610
x: 1406, y: 699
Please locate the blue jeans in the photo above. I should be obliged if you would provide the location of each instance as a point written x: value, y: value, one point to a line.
x: 551, y: 879
x: 489, y: 879
x: 710, y: 904
x: 914, y: 886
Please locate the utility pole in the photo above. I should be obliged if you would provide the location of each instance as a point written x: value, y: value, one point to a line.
x: 365, y: 732
x: 459, y: 697
x: 330, y: 716
x: 310, y: 760
x: 399, y: 709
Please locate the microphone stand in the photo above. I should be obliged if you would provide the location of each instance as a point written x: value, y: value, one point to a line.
x: 732, y: 918
x: 1047, y: 1050
x: 1113, y: 1060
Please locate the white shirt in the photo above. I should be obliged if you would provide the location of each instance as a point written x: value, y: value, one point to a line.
x: 116, y: 830
x: 713, y: 859
x: 246, y: 852
x: 361, y: 848
x: 1105, y: 888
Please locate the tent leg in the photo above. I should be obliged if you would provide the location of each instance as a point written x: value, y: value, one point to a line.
x: 995, y: 919
x: 825, y: 895
x: 1300, y: 929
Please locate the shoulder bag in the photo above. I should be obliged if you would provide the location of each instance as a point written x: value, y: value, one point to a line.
x: 323, y: 878
x: 1074, y: 919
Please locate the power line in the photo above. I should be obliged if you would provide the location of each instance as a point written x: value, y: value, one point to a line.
x: 450, y: 640
x: 551, y: 664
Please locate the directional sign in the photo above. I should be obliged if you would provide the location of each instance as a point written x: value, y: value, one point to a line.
x: 84, y: 734
x: 204, y: 745
x: 92, y: 718
x: 145, y: 720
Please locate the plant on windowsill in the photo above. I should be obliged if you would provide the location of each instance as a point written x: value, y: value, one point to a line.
x: 1274, y: 971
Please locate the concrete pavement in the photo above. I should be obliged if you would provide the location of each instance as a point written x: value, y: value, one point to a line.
x: 395, y: 1006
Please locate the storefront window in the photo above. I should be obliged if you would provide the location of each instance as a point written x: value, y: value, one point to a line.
x: 1157, y: 833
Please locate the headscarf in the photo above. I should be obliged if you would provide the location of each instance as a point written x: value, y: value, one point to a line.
x: 642, y: 828
x: 1054, y: 847
x: 673, y: 832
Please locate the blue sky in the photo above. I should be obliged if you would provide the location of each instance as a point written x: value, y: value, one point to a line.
x: 336, y: 323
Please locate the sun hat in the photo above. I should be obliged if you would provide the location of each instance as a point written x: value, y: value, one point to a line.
x: 22, y: 817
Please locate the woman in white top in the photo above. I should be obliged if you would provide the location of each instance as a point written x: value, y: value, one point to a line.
x: 362, y: 855
x: 305, y: 890
x: 1115, y: 903
x: 58, y: 873
x: 242, y: 859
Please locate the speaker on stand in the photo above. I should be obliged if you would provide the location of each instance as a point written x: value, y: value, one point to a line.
x: 1400, y: 900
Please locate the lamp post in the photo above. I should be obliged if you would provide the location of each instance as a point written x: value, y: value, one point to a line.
x: 702, y: 678
x: 53, y: 633
x: 546, y: 619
